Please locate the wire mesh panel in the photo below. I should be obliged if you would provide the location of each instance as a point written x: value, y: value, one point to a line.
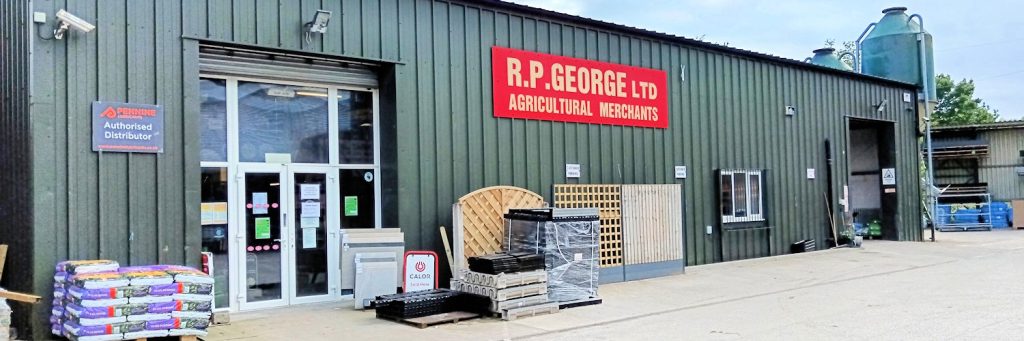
x: 607, y: 199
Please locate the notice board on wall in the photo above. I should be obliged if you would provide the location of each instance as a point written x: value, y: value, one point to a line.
x: 127, y: 127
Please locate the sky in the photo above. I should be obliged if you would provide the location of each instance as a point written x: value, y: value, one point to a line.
x: 979, y: 40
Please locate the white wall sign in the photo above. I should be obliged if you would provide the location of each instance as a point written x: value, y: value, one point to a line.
x: 906, y: 97
x: 810, y: 173
x: 420, y: 271
x: 680, y: 172
x: 572, y: 170
x: 889, y: 176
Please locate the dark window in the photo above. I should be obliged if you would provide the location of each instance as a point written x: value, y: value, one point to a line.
x: 741, y: 197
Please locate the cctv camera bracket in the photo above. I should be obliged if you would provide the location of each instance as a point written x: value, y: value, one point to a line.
x: 58, y: 33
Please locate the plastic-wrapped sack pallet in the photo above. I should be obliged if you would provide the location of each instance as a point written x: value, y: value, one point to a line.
x: 569, y: 240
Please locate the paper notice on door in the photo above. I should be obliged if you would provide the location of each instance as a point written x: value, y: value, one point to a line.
x: 308, y: 238
x: 351, y: 206
x: 309, y: 191
x: 262, y: 228
x: 214, y: 213
x: 311, y: 209
x: 309, y: 222
x: 259, y: 203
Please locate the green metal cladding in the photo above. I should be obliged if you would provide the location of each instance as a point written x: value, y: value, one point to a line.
x: 726, y: 111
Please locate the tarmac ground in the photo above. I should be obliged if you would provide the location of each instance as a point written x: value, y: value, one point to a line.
x: 964, y: 286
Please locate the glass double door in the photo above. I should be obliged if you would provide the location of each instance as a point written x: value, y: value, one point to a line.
x: 288, y: 236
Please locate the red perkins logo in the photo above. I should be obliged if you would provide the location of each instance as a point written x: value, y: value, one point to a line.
x: 420, y: 266
x: 109, y: 113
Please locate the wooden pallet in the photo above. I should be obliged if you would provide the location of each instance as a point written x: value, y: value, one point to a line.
x: 181, y: 338
x: 579, y: 303
x: 436, y: 319
x: 529, y: 311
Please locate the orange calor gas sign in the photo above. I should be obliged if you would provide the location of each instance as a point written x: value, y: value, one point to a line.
x: 538, y: 86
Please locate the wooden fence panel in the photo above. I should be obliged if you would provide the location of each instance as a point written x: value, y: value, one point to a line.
x: 652, y: 223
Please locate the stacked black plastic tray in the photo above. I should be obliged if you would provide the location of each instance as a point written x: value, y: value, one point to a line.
x: 426, y: 303
x: 416, y: 304
x: 528, y: 261
x: 493, y: 264
x: 506, y: 263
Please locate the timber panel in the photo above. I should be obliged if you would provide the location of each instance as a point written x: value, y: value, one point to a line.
x: 652, y: 223
x: 481, y: 217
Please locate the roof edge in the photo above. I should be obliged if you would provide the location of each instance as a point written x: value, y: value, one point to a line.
x: 1001, y: 125
x: 599, y: 24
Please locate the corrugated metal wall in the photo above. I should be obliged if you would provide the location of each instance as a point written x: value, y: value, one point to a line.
x: 728, y: 113
x: 15, y: 149
x: 999, y: 168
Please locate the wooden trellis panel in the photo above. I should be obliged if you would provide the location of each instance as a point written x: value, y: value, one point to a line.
x: 652, y: 223
x: 605, y: 198
x: 479, y: 221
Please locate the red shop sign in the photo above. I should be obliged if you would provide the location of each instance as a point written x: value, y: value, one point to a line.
x: 538, y: 86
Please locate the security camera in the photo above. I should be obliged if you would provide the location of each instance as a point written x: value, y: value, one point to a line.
x: 881, y: 105
x: 68, y: 20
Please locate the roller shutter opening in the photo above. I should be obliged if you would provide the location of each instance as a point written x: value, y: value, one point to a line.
x: 226, y: 61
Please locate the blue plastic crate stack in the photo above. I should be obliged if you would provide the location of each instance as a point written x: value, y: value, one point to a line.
x: 1002, y: 214
x: 97, y: 300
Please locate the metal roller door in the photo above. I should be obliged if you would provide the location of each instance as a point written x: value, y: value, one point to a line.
x: 230, y: 61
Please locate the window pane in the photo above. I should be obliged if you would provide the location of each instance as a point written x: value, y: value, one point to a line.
x: 355, y: 126
x: 755, y: 194
x: 263, y: 228
x: 310, y: 255
x: 282, y: 119
x: 740, y: 194
x: 726, y: 194
x: 213, y: 125
x: 214, y: 212
x: 357, y: 199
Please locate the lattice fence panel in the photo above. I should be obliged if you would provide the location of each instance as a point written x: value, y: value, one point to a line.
x: 607, y: 199
x: 482, y: 219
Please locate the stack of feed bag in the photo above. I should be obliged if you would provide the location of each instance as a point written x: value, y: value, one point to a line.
x: 521, y: 290
x: 124, y: 303
x: 76, y: 276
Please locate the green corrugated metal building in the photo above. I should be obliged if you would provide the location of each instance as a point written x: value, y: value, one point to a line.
x: 390, y: 113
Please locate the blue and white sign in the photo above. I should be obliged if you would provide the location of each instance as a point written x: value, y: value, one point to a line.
x: 127, y: 127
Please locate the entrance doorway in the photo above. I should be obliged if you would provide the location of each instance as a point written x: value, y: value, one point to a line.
x: 290, y: 250
x: 872, y: 179
x: 286, y: 166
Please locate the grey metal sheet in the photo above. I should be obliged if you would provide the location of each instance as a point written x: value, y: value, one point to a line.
x: 268, y: 65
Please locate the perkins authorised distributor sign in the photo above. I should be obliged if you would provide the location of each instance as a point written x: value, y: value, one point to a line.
x: 127, y: 127
x: 537, y: 86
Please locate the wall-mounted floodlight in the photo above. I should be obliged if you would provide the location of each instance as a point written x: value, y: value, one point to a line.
x: 319, y: 24
x: 320, y: 21
x: 68, y: 20
x: 881, y: 105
